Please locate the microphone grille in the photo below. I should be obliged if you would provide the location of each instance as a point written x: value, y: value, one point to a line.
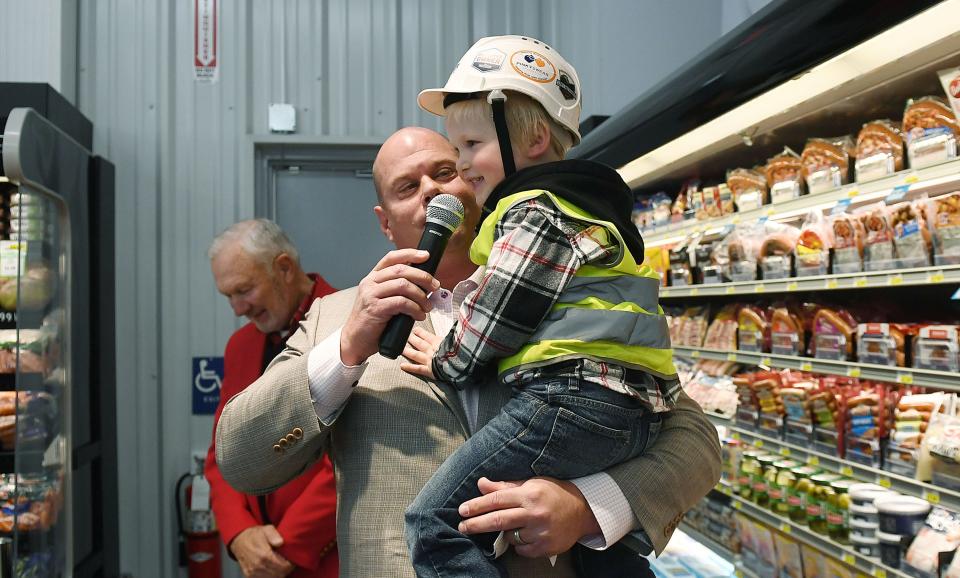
x: 445, y: 210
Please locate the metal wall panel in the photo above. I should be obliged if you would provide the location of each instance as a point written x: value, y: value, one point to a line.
x: 38, y: 40
x: 184, y: 157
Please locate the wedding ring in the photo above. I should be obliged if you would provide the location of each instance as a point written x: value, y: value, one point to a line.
x: 520, y: 541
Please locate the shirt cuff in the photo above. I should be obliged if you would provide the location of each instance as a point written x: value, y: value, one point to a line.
x: 331, y: 382
x: 609, y: 506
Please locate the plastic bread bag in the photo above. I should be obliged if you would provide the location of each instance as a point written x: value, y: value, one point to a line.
x: 940, y: 535
x: 943, y: 216
x: 814, y: 243
x: 878, y: 247
x: 931, y: 131
x: 784, y: 174
x: 910, y: 233
x: 826, y: 163
x: 749, y: 188
x: 879, y: 150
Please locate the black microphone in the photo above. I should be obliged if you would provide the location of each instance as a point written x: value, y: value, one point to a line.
x: 444, y: 215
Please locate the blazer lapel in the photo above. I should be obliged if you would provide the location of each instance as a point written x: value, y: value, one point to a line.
x: 447, y: 393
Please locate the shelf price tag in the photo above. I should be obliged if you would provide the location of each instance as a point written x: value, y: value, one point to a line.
x: 813, y: 460
x: 785, y: 527
x: 904, y: 378
x: 880, y: 573
x: 884, y: 482
x: 735, y: 435
x: 935, y: 277
x: 731, y: 290
x: 849, y: 559
x: 736, y: 505
x: 792, y: 286
x: 860, y: 282
x: 846, y: 470
x: 784, y: 451
x: 898, y: 192
x: 694, y: 354
x: 731, y: 357
x: 766, y: 361
x: 911, y: 178
x: 931, y: 496
x: 694, y: 291
x: 853, y: 192
x: 831, y: 284
x: 806, y: 366
x: 896, y: 279
x: 840, y: 207
x: 738, y: 574
x: 853, y: 372
x: 759, y: 288
x: 665, y: 293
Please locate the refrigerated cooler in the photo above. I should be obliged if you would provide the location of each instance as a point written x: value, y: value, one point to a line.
x: 58, y: 511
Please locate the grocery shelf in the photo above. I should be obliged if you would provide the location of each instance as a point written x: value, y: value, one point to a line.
x: 711, y: 544
x: 906, y: 375
x: 903, y: 484
x: 945, y: 274
x: 934, y: 180
x: 872, y: 566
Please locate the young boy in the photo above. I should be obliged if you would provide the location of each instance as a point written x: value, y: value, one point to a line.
x: 563, y: 304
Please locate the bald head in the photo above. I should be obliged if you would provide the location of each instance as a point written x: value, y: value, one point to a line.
x: 404, y: 143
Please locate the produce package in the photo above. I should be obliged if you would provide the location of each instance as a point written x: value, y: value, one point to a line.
x: 753, y: 329
x: 35, y: 289
x: 826, y: 163
x: 784, y: 174
x: 813, y: 245
x: 833, y: 334
x: 911, y: 236
x: 881, y: 344
x: 943, y: 215
x: 878, y: 249
x: 931, y: 131
x: 848, y: 235
x: 937, y: 347
x: 776, y: 250
x: 879, y: 150
x: 749, y: 188
x: 32, y: 351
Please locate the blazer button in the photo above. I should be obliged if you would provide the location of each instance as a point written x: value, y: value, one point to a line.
x: 283, y: 443
x: 297, y: 433
x: 291, y: 438
x: 277, y: 449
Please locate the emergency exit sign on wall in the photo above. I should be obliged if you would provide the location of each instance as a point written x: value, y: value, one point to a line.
x: 205, y: 40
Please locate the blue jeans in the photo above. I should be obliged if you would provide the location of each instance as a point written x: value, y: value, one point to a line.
x: 554, y: 426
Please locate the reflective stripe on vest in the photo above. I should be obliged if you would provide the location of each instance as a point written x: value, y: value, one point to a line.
x: 606, y: 313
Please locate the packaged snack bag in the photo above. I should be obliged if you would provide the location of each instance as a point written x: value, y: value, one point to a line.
x: 931, y: 131
x: 848, y: 235
x: 879, y: 150
x: 826, y: 163
x: 784, y: 174
x: 749, y: 188
x: 911, y: 237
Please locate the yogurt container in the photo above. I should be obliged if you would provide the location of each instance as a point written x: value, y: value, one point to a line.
x: 865, y: 494
x: 866, y: 546
x: 863, y: 529
x: 890, y: 549
x: 903, y: 515
x: 866, y: 513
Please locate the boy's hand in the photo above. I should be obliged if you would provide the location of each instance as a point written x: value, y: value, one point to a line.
x: 421, y: 345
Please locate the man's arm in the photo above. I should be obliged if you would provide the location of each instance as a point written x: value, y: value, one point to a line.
x: 309, y: 525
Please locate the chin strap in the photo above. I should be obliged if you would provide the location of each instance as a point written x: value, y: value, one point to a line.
x: 497, y: 100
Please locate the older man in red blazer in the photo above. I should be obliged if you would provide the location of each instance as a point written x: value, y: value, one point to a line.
x: 292, y: 530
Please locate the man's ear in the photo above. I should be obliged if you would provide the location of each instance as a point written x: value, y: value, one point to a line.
x: 284, y: 267
x: 540, y: 143
x: 384, y: 222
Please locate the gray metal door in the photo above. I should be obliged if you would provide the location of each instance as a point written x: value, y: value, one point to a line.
x: 328, y: 214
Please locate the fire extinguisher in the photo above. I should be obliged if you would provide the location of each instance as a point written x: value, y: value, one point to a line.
x: 198, y: 538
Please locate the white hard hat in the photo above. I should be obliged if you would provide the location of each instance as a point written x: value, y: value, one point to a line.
x: 517, y: 63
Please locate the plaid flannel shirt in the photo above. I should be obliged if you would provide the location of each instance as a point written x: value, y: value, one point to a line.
x: 537, y: 251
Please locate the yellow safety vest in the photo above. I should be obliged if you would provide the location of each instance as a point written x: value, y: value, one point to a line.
x: 607, y: 313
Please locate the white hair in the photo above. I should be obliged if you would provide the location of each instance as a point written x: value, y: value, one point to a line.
x: 262, y: 239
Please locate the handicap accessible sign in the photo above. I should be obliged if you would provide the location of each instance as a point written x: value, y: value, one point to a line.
x: 207, y: 380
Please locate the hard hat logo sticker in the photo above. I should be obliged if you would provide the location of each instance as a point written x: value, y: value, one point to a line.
x: 534, y: 66
x: 567, y: 88
x: 488, y: 60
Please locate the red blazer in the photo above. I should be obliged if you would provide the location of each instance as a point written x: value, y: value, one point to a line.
x: 303, y: 510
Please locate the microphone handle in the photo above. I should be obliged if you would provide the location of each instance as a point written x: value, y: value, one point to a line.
x: 394, y: 336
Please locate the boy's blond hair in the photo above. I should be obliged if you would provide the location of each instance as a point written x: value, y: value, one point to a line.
x: 523, y: 115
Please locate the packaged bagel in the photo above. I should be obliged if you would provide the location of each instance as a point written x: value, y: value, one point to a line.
x: 943, y: 215
x: 931, y: 131
x: 847, y: 240
x: 826, y: 163
x: 879, y: 150
x: 749, y: 188
x: 833, y: 334
x: 813, y: 245
x: 784, y: 174
x: 911, y: 237
x: 878, y: 248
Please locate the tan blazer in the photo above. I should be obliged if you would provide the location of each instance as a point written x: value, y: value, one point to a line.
x: 396, y: 430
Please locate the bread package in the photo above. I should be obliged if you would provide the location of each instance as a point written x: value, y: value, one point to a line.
x: 911, y: 237
x: 787, y: 334
x: 826, y: 163
x: 931, y: 131
x: 833, y: 334
x: 784, y: 174
x: 943, y: 216
x: 881, y: 344
x: 749, y: 188
x: 878, y: 248
x: 813, y: 245
x: 879, y: 150
x: 847, y: 239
